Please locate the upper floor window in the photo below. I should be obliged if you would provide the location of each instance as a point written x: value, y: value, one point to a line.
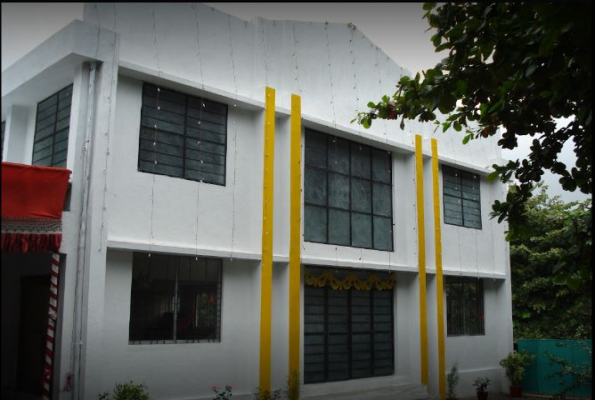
x: 462, y: 205
x: 464, y: 306
x: 175, y: 299
x: 347, y: 193
x: 52, y: 123
x: 182, y: 136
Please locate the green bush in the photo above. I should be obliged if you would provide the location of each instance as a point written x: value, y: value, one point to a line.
x: 452, y: 379
x: 481, y: 384
x: 515, y: 364
x: 263, y: 394
x: 580, y: 375
x: 127, y: 391
x: 292, y: 392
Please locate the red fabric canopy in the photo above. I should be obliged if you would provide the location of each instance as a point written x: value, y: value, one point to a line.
x: 32, y: 203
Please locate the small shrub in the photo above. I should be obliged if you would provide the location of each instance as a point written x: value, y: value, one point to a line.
x: 580, y: 375
x: 515, y: 364
x: 222, y: 394
x: 452, y: 379
x: 127, y: 391
x: 292, y: 392
x: 481, y: 384
x: 263, y: 394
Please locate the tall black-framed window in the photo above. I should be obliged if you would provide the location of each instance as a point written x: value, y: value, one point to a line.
x: 175, y: 299
x: 52, y: 123
x: 462, y: 198
x: 347, y: 193
x: 348, y: 334
x: 464, y: 306
x: 182, y: 136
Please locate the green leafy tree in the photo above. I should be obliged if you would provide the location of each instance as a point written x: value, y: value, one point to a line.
x: 513, y: 65
x: 551, y: 270
x: 570, y: 376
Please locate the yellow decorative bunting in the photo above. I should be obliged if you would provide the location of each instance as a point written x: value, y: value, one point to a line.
x: 350, y: 281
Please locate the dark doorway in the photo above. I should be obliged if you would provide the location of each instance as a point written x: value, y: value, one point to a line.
x: 35, y: 294
x: 348, y: 332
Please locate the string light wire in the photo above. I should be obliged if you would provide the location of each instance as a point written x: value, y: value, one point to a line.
x: 264, y: 49
x: 196, y: 15
x: 330, y: 72
x: 295, y: 60
x: 235, y: 146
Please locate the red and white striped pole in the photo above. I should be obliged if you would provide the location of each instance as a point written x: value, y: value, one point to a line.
x: 52, y: 317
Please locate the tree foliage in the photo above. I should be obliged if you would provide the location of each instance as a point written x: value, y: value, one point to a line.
x: 514, y: 65
x: 551, y: 270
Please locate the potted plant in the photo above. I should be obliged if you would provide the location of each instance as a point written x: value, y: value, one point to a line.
x: 515, y: 364
x: 481, y: 385
x: 452, y: 379
x: 222, y: 394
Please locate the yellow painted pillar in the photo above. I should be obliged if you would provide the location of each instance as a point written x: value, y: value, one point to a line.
x: 267, y: 241
x: 421, y: 240
x: 439, y: 275
x: 295, y: 234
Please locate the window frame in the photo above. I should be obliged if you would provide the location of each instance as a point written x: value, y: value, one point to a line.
x: 185, y: 136
x: 329, y: 139
x: 55, y: 130
x: 461, y: 325
x: 177, y: 301
x: 462, y: 177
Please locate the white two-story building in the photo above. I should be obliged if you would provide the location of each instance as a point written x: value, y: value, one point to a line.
x: 202, y: 246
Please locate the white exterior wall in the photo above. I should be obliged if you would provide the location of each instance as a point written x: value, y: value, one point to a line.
x: 205, y: 48
x: 173, y: 203
x: 335, y: 68
x: 203, y: 52
x: 178, y: 371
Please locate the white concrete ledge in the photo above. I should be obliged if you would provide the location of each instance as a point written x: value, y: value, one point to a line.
x: 160, y: 247
x: 51, y: 65
x: 174, y: 82
x: 131, y: 245
x: 472, y: 274
x: 343, y: 263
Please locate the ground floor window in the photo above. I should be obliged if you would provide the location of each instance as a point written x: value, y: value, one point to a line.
x: 348, y: 325
x: 464, y: 306
x: 175, y: 299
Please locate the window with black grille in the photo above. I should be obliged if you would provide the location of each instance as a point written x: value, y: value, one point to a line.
x: 182, y: 136
x: 348, y: 334
x: 52, y: 123
x: 464, y: 306
x: 462, y: 205
x: 175, y: 299
x: 347, y: 193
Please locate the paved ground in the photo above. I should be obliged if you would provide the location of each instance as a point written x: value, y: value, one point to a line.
x: 505, y: 396
x: 389, y: 394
